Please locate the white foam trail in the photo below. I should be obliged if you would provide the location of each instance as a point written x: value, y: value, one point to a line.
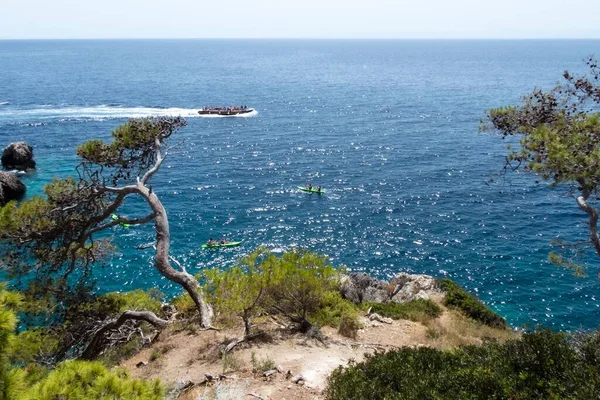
x: 102, y: 112
x: 4, y: 103
x: 96, y: 112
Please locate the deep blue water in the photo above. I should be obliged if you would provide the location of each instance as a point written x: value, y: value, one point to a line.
x: 389, y: 128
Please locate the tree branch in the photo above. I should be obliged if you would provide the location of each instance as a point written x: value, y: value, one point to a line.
x: 592, y: 212
x: 127, y: 315
x: 157, y: 164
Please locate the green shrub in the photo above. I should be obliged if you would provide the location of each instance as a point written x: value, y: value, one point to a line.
x: 261, y: 365
x: 231, y: 363
x: 184, y: 305
x: 71, y: 380
x: 419, y: 310
x: 434, y: 333
x: 588, y: 346
x: 79, y: 380
x: 114, y: 303
x: 349, y: 325
x: 459, y: 298
x: 113, y: 356
x: 298, y: 285
x: 331, y: 310
x: 28, y: 346
x: 241, y: 289
x: 540, y: 365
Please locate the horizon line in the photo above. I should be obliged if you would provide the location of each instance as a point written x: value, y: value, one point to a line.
x: 310, y: 38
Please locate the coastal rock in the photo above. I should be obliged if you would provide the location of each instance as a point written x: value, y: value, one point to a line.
x: 377, y: 317
x: 18, y: 155
x: 360, y: 288
x: 270, y: 372
x: 403, y: 287
x: 11, y: 188
x: 180, y: 387
x: 412, y: 286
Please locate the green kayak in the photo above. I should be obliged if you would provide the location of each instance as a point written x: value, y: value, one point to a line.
x: 115, y: 217
x: 217, y: 245
x: 307, y: 190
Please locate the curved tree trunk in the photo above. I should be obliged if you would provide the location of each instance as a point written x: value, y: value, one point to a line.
x: 592, y: 223
x: 163, y: 264
x: 93, y: 347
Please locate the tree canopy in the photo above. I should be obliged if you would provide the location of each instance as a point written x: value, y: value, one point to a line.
x: 53, y: 242
x: 559, y: 133
x: 70, y: 380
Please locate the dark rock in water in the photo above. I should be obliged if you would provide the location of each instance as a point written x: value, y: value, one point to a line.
x: 18, y: 155
x: 11, y: 188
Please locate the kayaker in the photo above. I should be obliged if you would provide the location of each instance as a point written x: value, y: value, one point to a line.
x: 211, y: 242
x: 222, y: 241
x: 319, y: 188
x: 309, y: 186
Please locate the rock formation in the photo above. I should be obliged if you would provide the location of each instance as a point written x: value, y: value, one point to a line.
x: 361, y: 288
x: 18, y: 155
x: 11, y: 188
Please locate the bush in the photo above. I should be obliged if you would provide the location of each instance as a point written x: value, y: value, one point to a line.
x: 300, y: 285
x: 332, y: 309
x: 470, y: 305
x: 540, y: 365
x: 231, y: 363
x: 299, y: 282
x: 240, y: 290
x: 28, y: 346
x: 261, y: 365
x: 76, y: 380
x: 349, y: 325
x: 419, y: 310
x: 72, y: 380
x: 113, y: 303
x: 184, y: 305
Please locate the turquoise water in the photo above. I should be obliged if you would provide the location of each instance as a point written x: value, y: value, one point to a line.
x: 389, y: 128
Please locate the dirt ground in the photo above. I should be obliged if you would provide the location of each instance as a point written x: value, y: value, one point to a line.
x: 188, y: 356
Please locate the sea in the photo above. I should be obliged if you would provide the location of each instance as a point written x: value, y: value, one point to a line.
x: 389, y: 128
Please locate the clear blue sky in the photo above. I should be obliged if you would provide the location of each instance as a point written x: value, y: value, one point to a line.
x: 26, y: 19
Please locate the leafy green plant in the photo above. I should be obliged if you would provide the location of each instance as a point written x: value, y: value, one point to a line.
x: 261, y: 365
x: 73, y: 380
x: 433, y: 333
x: 332, y: 308
x: 419, y: 310
x: 113, y: 356
x: 79, y: 380
x: 299, y: 283
x: 231, y: 362
x: 349, y: 325
x: 241, y: 289
x: 471, y: 306
x: 184, y: 305
x: 28, y: 346
x: 540, y: 365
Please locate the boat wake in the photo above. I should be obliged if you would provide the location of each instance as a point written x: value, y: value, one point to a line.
x: 102, y: 112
